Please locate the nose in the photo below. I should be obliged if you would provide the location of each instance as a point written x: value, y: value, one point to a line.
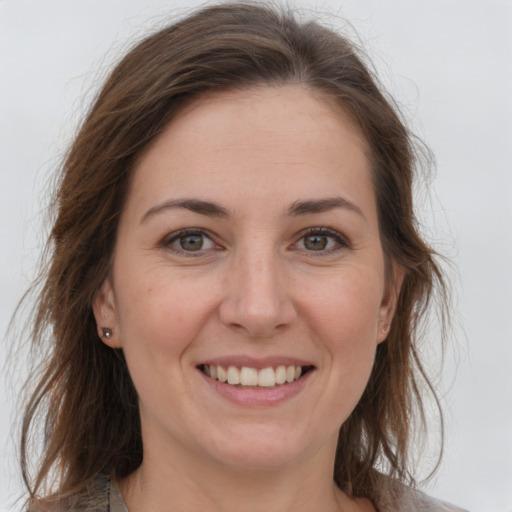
x: 257, y: 299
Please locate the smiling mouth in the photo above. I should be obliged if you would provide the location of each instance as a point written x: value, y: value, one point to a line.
x: 245, y: 376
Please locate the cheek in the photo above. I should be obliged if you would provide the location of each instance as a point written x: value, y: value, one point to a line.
x: 348, y: 307
x: 159, y: 313
x: 156, y: 327
x: 346, y: 319
x: 350, y: 333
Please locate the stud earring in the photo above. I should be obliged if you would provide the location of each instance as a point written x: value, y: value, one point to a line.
x: 107, y: 332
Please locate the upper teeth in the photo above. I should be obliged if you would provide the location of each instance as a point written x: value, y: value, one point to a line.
x: 246, y: 376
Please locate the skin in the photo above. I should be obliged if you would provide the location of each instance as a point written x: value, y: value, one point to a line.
x: 258, y: 287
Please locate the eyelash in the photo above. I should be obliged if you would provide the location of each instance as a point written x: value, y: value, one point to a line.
x: 340, y: 241
x: 182, y: 233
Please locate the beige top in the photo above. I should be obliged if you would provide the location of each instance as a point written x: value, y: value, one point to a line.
x: 105, y: 496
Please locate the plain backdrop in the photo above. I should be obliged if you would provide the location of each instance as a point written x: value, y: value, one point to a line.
x: 449, y: 65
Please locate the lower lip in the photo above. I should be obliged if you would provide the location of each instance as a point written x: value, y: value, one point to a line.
x: 258, y: 396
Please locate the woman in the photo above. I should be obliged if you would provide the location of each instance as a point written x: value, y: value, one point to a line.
x: 235, y: 282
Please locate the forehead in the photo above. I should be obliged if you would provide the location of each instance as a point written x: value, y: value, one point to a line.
x: 273, y: 142
x: 287, y: 111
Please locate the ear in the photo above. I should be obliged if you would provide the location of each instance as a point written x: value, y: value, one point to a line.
x: 104, y: 309
x: 389, y: 301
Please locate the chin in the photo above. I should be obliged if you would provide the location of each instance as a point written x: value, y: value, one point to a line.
x: 260, y: 449
x: 265, y: 459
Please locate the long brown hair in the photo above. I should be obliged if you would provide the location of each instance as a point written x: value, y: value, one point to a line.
x: 84, y: 391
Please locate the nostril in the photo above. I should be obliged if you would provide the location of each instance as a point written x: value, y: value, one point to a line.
x: 256, y: 322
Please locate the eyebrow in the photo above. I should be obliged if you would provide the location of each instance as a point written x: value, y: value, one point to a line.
x: 195, y: 205
x: 323, y: 205
x: 211, y: 209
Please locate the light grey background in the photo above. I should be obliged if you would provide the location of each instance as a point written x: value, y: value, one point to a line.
x: 448, y: 62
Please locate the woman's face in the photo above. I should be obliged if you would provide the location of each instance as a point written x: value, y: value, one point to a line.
x: 249, y: 248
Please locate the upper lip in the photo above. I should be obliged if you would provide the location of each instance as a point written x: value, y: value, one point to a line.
x: 252, y: 362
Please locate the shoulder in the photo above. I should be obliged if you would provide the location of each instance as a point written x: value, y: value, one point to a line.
x: 396, y: 497
x: 424, y: 503
x: 94, y: 498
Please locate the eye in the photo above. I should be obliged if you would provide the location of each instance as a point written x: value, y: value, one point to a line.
x: 188, y: 241
x: 321, y: 240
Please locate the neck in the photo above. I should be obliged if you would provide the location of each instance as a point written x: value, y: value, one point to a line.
x: 185, y: 487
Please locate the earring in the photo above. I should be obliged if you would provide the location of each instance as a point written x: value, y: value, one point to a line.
x: 385, y: 330
x: 107, y: 332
